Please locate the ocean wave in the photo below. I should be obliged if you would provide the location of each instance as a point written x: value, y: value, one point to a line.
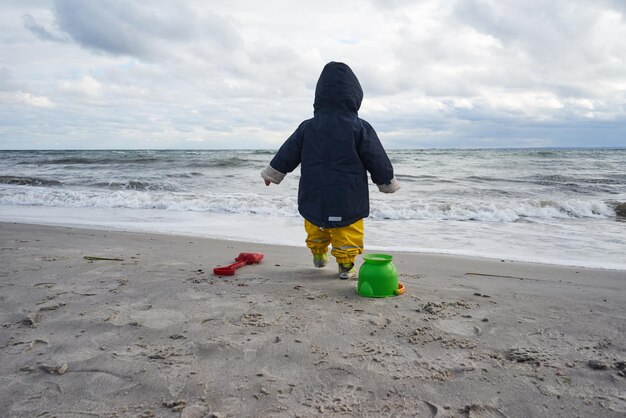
x: 512, y: 211
x: 617, y: 179
x: 184, y: 175
x: 134, y: 185
x: 409, y: 177
x: 227, y: 162
x: 278, y: 205
x: 545, y: 154
x: 242, y: 203
x: 94, y: 161
x: 488, y: 179
x: 581, y: 185
x: 28, y: 181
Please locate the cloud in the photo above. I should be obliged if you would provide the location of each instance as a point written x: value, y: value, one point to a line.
x: 395, y: 4
x: 7, y: 81
x: 618, y: 6
x: 11, y: 93
x: 34, y: 101
x: 41, y: 31
x: 139, y: 29
x: 87, y: 86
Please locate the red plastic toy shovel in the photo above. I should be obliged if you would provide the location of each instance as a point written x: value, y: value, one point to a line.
x: 241, y: 260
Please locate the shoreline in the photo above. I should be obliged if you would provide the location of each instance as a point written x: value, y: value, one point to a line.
x: 153, y: 333
x: 444, y: 253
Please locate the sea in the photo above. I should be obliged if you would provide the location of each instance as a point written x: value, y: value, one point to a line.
x: 554, y: 206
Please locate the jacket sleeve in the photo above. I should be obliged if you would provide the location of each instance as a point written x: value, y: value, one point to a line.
x: 375, y: 159
x: 286, y: 159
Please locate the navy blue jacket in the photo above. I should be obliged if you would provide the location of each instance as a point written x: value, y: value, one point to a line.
x: 336, y: 149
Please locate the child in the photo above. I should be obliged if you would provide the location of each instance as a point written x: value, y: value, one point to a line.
x: 336, y: 149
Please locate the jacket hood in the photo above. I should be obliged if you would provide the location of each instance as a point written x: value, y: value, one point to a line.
x: 338, y: 88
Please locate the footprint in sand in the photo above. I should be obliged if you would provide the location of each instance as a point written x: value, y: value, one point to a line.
x: 149, y: 318
x: 141, y: 306
x: 458, y: 327
x: 102, y: 383
x: 158, y: 318
x: 552, y: 333
x: 191, y: 295
x: 483, y: 411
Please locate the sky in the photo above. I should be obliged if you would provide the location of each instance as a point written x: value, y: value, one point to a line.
x: 193, y: 74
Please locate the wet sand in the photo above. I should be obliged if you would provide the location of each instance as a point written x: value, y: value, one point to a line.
x: 149, y: 331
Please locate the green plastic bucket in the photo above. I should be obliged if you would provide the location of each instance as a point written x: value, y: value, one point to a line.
x: 378, y: 277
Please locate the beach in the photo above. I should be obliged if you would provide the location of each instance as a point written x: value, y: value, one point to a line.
x: 129, y: 324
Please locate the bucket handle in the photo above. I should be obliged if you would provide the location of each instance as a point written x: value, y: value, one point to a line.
x: 400, y: 289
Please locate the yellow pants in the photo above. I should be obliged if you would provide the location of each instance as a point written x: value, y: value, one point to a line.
x: 347, y: 241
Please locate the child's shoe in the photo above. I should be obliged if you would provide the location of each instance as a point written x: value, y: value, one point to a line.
x: 320, y: 260
x: 347, y: 271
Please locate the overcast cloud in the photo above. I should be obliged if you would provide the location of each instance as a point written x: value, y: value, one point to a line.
x: 242, y: 74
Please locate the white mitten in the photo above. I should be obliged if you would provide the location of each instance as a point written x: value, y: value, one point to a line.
x: 272, y: 175
x: 393, y: 186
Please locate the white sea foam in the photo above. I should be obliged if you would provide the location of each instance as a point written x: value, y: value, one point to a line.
x: 247, y: 203
x: 509, y: 211
x: 241, y: 203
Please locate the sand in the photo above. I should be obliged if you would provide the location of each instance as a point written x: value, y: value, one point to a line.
x: 152, y: 332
